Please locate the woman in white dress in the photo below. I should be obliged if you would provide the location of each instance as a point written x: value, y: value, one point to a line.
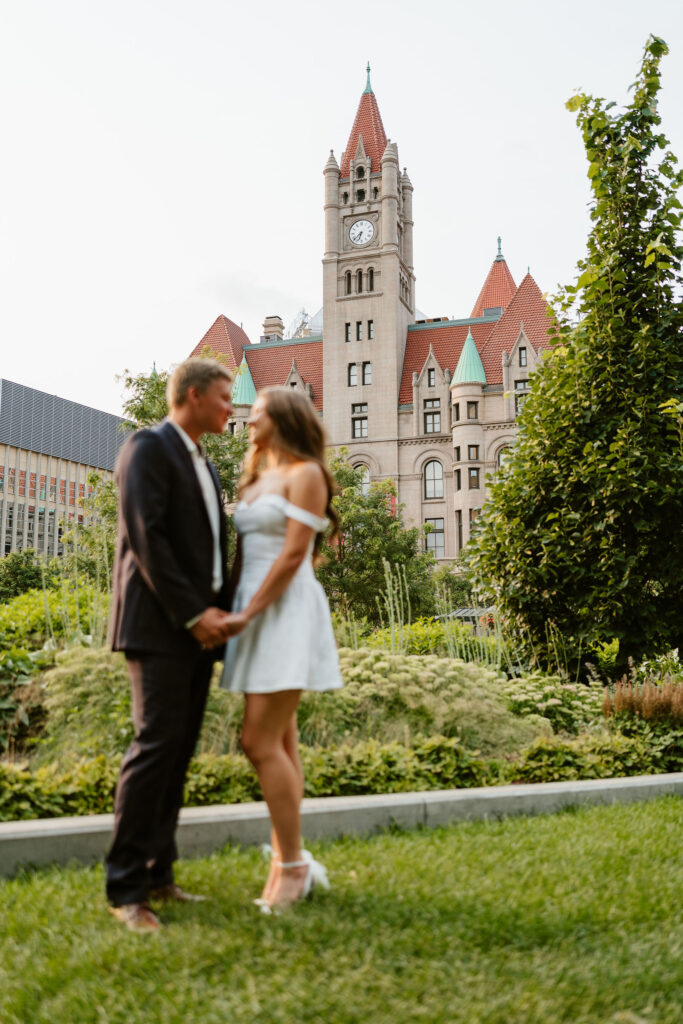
x: 281, y: 640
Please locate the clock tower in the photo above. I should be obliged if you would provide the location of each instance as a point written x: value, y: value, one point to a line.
x: 368, y: 292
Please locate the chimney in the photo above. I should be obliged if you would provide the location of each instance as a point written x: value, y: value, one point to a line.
x: 273, y: 329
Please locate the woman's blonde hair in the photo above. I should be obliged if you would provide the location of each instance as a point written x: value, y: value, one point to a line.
x: 297, y: 430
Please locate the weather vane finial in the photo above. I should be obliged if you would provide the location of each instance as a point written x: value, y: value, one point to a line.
x: 368, y: 87
x: 500, y: 255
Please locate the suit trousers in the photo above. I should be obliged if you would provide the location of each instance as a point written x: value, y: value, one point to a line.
x: 168, y: 701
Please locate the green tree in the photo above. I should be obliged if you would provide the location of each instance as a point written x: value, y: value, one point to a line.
x: 89, y: 546
x: 371, y: 529
x: 582, y: 530
x: 452, y: 585
x: 24, y: 570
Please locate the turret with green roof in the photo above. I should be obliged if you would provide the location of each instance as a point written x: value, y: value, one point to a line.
x: 470, y: 369
x: 243, y: 390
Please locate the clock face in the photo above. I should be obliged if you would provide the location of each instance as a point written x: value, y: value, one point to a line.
x: 361, y: 232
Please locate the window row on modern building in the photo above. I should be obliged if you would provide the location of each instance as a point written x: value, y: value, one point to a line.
x: 49, y: 446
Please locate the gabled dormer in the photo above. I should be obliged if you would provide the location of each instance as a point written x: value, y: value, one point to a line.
x: 295, y: 380
x: 431, y: 397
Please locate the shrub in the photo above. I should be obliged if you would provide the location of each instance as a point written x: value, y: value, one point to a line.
x: 39, y: 615
x: 400, y: 697
x: 24, y: 570
x: 569, y: 707
x: 21, y: 703
x: 87, y: 699
x: 387, y: 697
x: 650, y: 702
x: 601, y: 755
x: 88, y: 786
x: 664, y: 743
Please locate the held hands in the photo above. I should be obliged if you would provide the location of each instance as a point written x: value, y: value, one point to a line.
x: 215, y: 626
x: 210, y: 630
x: 236, y: 622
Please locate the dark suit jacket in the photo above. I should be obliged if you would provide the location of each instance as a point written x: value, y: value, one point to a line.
x: 164, y: 554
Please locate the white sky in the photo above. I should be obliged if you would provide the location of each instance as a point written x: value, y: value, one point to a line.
x: 162, y: 160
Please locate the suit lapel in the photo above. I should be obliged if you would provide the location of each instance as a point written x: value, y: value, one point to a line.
x: 169, y: 432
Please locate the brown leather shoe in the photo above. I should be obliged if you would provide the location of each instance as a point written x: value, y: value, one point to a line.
x: 137, y: 917
x: 172, y: 893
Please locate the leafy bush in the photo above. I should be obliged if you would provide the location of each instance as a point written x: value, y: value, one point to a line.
x: 87, y: 700
x: 387, y: 697
x: 21, y: 703
x: 664, y: 743
x: 569, y: 707
x: 36, y: 616
x: 88, y: 786
x: 602, y: 755
x: 25, y: 570
x: 424, y: 636
x: 399, y: 697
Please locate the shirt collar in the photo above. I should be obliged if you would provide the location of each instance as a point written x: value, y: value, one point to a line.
x: 187, y: 440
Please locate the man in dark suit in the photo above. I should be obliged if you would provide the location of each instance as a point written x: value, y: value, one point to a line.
x: 169, y: 617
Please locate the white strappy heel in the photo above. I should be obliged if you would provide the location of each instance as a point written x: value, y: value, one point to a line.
x: 316, y: 875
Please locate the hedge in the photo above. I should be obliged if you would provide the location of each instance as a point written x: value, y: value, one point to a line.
x: 368, y: 767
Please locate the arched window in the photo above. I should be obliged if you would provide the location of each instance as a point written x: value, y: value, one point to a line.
x: 359, y: 281
x: 502, y: 457
x: 433, y: 480
x: 348, y: 282
x: 360, y: 172
x: 345, y: 197
x: 375, y: 192
x: 371, y: 280
x: 364, y: 478
x: 360, y: 195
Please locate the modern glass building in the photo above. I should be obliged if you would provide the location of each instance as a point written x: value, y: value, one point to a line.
x: 48, y: 448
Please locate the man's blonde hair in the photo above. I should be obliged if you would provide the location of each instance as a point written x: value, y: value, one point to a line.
x: 194, y: 373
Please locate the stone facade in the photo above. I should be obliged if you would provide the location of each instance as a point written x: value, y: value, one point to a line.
x: 429, y: 403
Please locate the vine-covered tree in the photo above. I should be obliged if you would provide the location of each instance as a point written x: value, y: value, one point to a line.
x: 371, y: 530
x: 583, y: 528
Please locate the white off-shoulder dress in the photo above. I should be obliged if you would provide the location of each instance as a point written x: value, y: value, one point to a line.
x: 290, y: 645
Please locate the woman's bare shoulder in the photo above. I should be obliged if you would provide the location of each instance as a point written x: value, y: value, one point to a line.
x: 306, y: 485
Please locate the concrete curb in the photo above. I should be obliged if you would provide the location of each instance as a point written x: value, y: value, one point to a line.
x: 203, y: 830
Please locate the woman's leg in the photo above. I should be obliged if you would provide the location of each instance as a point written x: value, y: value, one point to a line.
x: 291, y: 745
x: 268, y: 732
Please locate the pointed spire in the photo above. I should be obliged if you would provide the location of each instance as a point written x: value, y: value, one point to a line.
x: 368, y: 123
x: 332, y: 164
x: 470, y: 369
x: 154, y: 370
x: 498, y: 288
x: 368, y: 87
x: 243, y: 390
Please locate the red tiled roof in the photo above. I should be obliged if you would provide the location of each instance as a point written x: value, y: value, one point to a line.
x: 447, y: 342
x: 368, y: 123
x: 499, y: 287
x: 270, y: 364
x: 225, y: 337
x: 527, y: 307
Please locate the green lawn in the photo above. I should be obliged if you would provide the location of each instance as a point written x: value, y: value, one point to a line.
x: 575, y: 917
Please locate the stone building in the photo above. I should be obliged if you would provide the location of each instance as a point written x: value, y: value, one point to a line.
x: 429, y: 403
x: 48, y: 448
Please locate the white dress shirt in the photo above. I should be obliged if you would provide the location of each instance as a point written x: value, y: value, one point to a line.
x: 208, y: 489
